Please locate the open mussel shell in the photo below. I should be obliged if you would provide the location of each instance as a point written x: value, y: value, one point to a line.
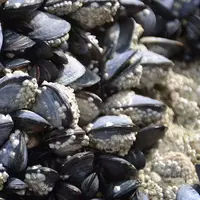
x: 112, y: 134
x: 68, y: 191
x: 147, y: 137
x: 57, y: 104
x: 29, y: 122
x: 18, y: 91
x: 40, y: 180
x: 71, y: 71
x: 89, y: 105
x: 17, y: 186
x: 13, y: 154
x: 15, y: 43
x: 90, y: 186
x: 6, y: 125
x: 187, y: 192
x: 122, y: 190
x: 142, y: 110
x: 68, y: 141
x: 39, y: 22
x: 88, y: 79
x: 111, y: 165
x: 76, y: 169
x: 163, y: 46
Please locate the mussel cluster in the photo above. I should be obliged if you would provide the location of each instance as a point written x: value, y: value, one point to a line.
x: 77, y: 116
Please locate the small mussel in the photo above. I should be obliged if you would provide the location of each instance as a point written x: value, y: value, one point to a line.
x: 142, y: 110
x: 113, y: 134
x: 40, y: 180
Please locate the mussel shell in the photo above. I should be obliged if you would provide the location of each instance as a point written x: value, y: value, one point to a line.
x: 39, y: 21
x: 118, y: 64
x: 147, y: 19
x: 6, y: 125
x: 137, y: 158
x: 13, y: 96
x: 77, y: 167
x: 152, y: 59
x: 41, y: 180
x: 122, y: 190
x: 118, y: 37
x: 71, y: 71
x: 48, y: 71
x: 64, y: 113
x: 112, y: 121
x: 88, y: 79
x: 17, y: 64
x: 149, y: 136
x: 29, y: 122
x: 67, y: 191
x: 16, y: 43
x: 17, y: 9
x: 162, y: 46
x: 90, y: 186
x: 14, y: 154
x: 16, y: 185
x: 67, y: 142
x: 89, y: 105
x: 111, y: 165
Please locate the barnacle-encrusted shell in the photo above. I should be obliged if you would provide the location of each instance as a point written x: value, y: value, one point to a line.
x: 96, y: 14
